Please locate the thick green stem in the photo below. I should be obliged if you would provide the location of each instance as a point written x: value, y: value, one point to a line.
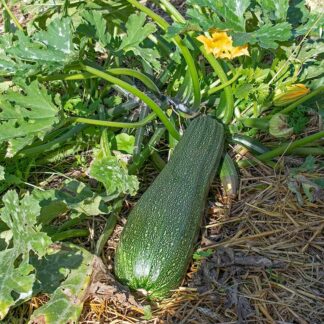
x: 116, y: 124
x: 73, y: 233
x: 147, y: 100
x: 259, y: 123
x: 175, y: 14
x: 137, y: 75
x: 228, y: 114
x: 109, y: 227
x: 184, y: 50
x: 224, y: 85
x: 305, y: 151
x: 54, y: 144
x: 158, y: 161
x: 283, y: 149
x: 12, y: 16
x: 114, y: 71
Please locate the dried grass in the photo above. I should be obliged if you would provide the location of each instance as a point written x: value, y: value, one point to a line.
x: 264, y: 223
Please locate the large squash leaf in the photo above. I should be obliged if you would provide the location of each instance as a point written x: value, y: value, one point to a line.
x: 26, y: 116
x: 17, y: 275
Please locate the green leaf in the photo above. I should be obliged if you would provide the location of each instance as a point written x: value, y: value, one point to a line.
x: 65, y: 274
x: 276, y: 10
x: 311, y: 56
x: 180, y: 28
x: 263, y: 92
x: 149, y: 55
x: 112, y: 172
x: 48, y: 50
x: 310, y: 51
x: 125, y: 142
x: 205, y: 22
x: 17, y: 279
x: 230, y: 13
x: 54, y: 45
x: 267, y: 36
x: 312, y: 24
x: 298, y: 120
x: 17, y: 275
x: 8, y: 66
x: 74, y: 195
x: 243, y: 91
x: 81, y: 198
x: 24, y: 117
x: 97, y: 27
x: 21, y: 217
x: 137, y: 32
x: 200, y: 255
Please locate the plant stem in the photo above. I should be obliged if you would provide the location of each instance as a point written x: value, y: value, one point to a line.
x: 54, y: 144
x: 184, y: 50
x: 159, y: 163
x: 140, y: 133
x: 147, y: 100
x: 61, y: 236
x: 114, y: 71
x: 259, y: 123
x: 12, y: 16
x: 121, y: 109
x: 224, y: 85
x: 176, y: 15
x: 109, y: 227
x: 148, y: 150
x: 116, y: 124
x: 158, y: 19
x: 138, y: 75
x: 283, y: 149
x: 228, y: 114
x: 305, y: 151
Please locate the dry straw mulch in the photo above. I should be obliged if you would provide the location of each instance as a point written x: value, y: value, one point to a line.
x: 265, y: 262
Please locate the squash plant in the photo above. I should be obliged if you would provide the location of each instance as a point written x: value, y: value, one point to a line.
x: 117, y: 79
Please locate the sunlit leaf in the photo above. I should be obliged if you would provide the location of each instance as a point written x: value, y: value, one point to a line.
x: 112, y: 172
x: 267, y: 36
x: 96, y: 26
x: 17, y: 275
x: 275, y: 9
x: 26, y: 116
x: 65, y: 273
x: 230, y: 13
x: 137, y: 32
x: 125, y: 142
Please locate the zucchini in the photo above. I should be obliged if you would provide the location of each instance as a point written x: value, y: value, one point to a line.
x: 254, y: 146
x: 157, y: 242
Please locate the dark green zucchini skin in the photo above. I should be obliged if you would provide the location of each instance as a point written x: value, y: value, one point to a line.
x: 157, y: 242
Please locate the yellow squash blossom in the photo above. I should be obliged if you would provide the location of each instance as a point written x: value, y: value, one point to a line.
x: 290, y: 94
x: 221, y: 45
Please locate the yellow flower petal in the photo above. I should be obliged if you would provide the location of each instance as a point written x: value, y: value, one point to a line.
x: 290, y: 94
x: 221, y: 45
